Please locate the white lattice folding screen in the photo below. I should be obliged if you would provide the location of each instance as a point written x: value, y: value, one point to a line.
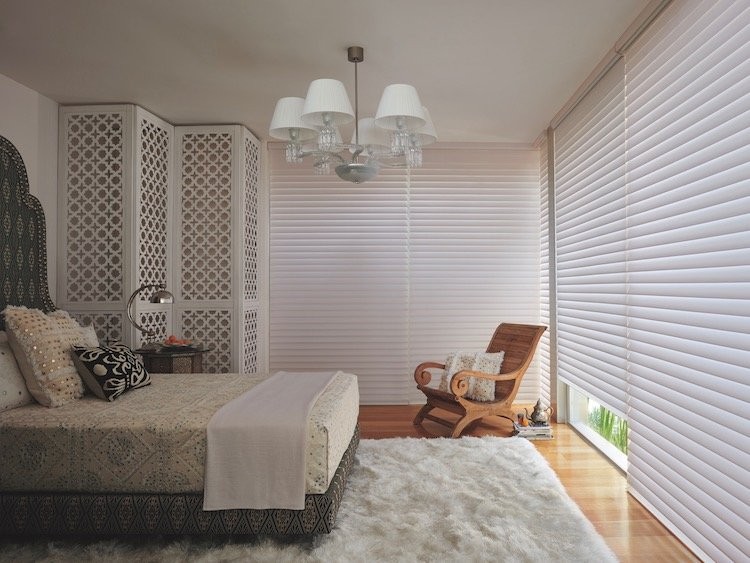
x: 119, y: 169
x: 115, y: 165
x: 252, y: 358
x: 152, y: 237
x: 218, y: 212
x: 95, y: 197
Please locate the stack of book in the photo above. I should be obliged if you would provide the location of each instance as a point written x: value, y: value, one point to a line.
x: 533, y: 431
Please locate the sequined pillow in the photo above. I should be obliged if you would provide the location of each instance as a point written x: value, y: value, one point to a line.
x: 41, y: 344
x: 13, y: 391
x: 479, y: 389
x: 109, y: 371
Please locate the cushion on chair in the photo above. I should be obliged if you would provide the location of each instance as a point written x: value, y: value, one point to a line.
x: 455, y: 362
x: 479, y: 389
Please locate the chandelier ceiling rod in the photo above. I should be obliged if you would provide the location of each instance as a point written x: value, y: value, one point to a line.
x: 356, y: 55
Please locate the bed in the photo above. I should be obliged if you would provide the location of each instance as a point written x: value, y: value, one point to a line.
x: 135, y: 466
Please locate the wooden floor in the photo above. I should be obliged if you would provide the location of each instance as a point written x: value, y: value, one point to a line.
x: 591, y: 480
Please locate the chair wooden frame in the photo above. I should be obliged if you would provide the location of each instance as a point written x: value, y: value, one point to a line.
x: 519, y: 343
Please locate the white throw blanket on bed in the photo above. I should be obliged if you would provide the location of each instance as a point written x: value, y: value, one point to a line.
x: 256, y: 444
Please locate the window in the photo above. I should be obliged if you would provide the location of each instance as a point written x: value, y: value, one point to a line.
x: 378, y: 277
x: 603, y: 428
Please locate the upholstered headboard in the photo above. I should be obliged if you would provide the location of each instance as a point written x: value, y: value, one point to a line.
x: 23, y: 250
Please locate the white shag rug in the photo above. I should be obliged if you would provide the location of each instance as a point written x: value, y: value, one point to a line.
x: 407, y: 499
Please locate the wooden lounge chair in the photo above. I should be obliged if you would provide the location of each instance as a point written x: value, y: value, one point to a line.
x: 519, y: 343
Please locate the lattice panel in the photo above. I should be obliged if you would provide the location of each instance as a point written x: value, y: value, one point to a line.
x: 94, y: 189
x: 211, y: 328
x: 250, y: 341
x: 250, y: 266
x: 206, y: 216
x: 154, y: 178
x: 108, y: 326
x: 156, y: 321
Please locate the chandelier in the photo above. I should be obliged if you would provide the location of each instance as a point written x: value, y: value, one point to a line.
x: 393, y: 138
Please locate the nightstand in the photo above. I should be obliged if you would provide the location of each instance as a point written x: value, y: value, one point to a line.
x: 177, y: 360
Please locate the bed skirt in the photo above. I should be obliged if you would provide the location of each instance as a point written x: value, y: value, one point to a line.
x: 91, y: 514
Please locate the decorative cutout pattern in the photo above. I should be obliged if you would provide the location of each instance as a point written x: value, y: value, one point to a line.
x: 211, y: 328
x: 156, y: 321
x: 206, y: 214
x: 252, y: 166
x: 152, y: 229
x: 108, y: 326
x: 250, y: 342
x: 94, y: 209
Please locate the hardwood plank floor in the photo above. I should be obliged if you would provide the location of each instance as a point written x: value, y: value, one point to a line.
x: 595, y: 484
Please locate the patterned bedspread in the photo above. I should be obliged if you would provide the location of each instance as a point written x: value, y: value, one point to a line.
x: 152, y: 439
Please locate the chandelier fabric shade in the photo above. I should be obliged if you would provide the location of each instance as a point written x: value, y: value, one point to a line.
x: 400, y: 108
x: 371, y: 136
x: 327, y: 103
x: 427, y: 134
x: 393, y: 138
x: 287, y: 121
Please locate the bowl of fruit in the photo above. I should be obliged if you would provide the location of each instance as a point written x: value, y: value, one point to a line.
x: 174, y: 343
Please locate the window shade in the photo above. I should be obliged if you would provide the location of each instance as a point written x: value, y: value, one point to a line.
x: 548, y: 395
x: 590, y: 243
x: 689, y: 274
x: 379, y: 277
x: 473, y: 252
x: 339, y: 277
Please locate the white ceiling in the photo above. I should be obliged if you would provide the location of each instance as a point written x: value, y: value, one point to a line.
x: 488, y: 70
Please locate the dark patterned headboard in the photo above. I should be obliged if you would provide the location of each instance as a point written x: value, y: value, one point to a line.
x: 23, y: 250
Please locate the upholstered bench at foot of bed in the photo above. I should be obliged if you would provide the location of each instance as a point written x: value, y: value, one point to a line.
x: 87, y: 515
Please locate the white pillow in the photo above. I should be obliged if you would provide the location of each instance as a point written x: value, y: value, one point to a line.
x: 13, y: 391
x: 455, y: 362
x: 479, y: 389
x: 484, y: 389
x: 42, y: 347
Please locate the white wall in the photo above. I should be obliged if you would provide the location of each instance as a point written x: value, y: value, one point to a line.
x: 29, y: 121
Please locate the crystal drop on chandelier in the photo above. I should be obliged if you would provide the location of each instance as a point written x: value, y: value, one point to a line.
x: 327, y: 138
x: 414, y: 156
x: 399, y: 142
x: 293, y: 153
x: 322, y: 166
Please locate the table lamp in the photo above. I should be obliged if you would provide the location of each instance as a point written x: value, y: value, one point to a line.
x: 161, y: 295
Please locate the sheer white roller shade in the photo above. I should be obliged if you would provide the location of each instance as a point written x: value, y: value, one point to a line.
x: 339, y: 277
x: 379, y: 277
x: 546, y: 391
x: 590, y: 242
x: 473, y: 251
x: 689, y: 273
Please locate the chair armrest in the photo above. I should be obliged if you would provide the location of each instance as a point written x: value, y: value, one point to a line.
x: 422, y: 375
x: 460, y: 384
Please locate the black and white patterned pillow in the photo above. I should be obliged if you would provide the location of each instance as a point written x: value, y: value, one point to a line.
x: 109, y: 371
